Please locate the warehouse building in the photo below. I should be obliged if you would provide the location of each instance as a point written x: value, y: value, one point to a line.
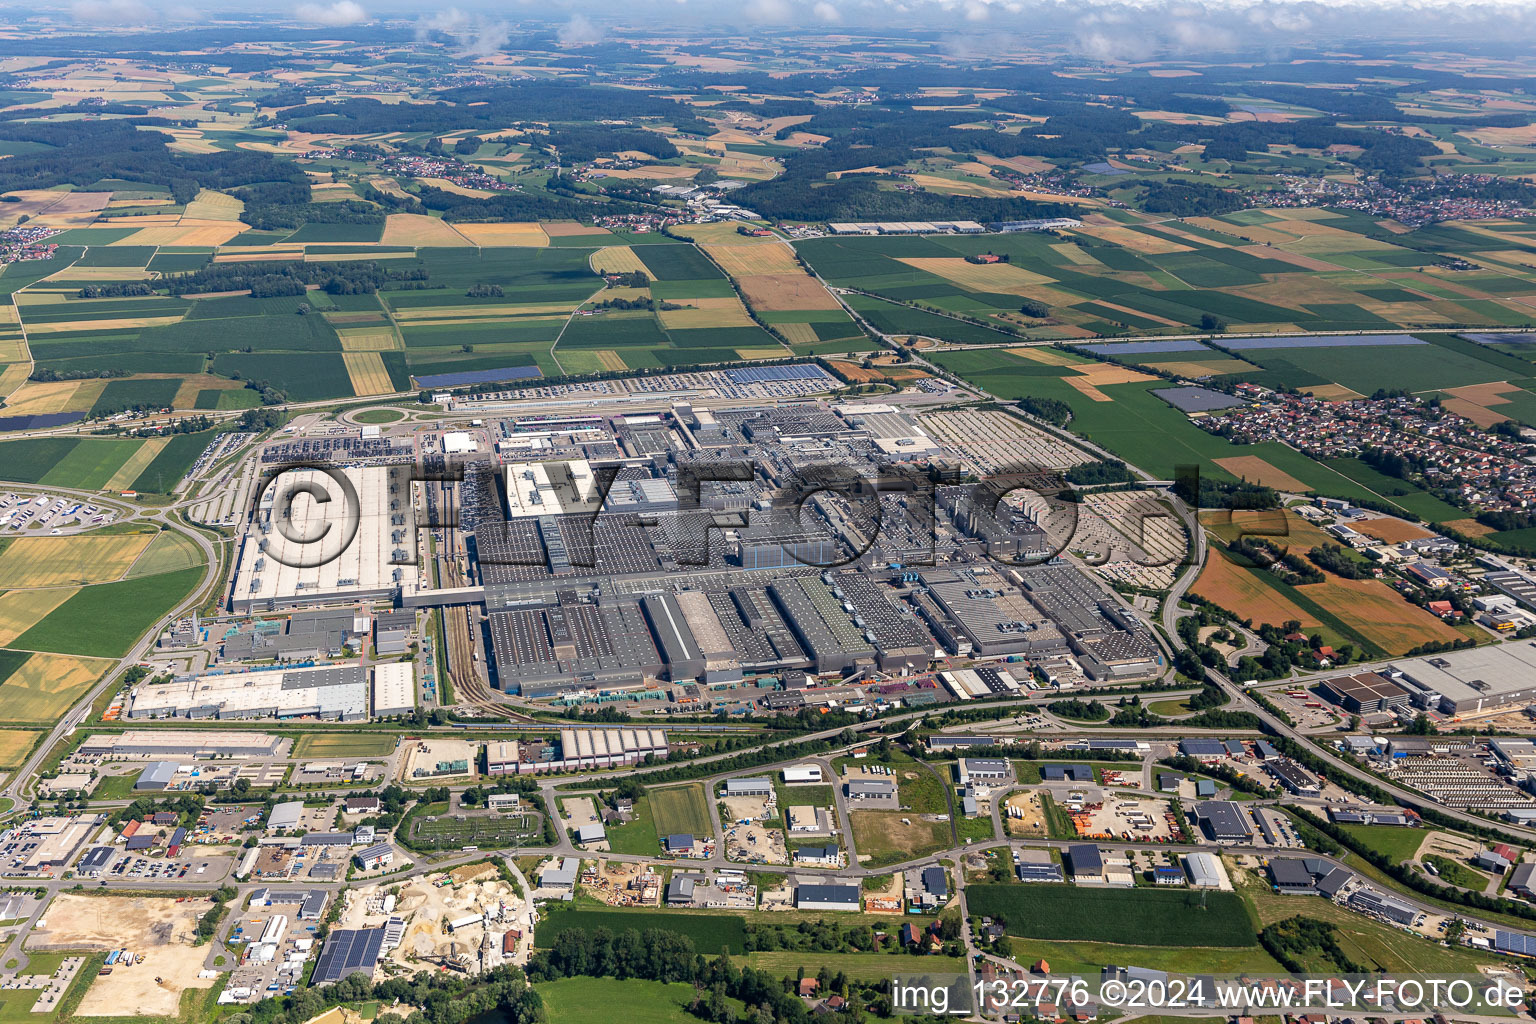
x: 1085, y: 863
x: 348, y: 951
x: 578, y: 749
x: 1365, y: 693
x: 572, y: 645
x: 825, y: 631
x: 333, y: 692
x: 277, y: 568
x: 394, y: 688
x: 1468, y: 681
x: 992, y: 617
x: 392, y: 632
x: 1223, y: 821
x: 157, y: 776
x: 180, y: 743
x: 759, y: 786
x: 827, y: 897
x: 674, y: 639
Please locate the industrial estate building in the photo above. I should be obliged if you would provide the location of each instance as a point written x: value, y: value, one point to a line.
x: 280, y: 563
x: 346, y: 693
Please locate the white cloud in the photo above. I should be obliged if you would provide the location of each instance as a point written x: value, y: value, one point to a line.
x: 827, y: 13
x: 333, y: 15
x: 768, y: 11
x: 112, y: 12
x: 580, y: 31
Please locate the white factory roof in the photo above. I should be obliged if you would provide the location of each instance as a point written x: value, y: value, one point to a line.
x: 273, y: 566
x: 321, y: 689
x: 458, y: 442
x: 550, y: 488
x: 394, y: 688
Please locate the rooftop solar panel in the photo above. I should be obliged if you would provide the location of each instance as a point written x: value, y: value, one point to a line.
x: 348, y: 951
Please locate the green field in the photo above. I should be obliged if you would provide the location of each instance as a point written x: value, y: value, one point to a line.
x: 344, y: 744
x: 106, y: 620
x: 712, y: 934
x: 682, y: 809
x: 858, y: 966
x: 1398, y: 843
x: 593, y: 1001
x: 638, y: 835
x: 1145, y: 916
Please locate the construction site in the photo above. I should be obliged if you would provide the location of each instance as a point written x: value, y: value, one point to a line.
x: 459, y: 920
x: 158, y: 935
x: 623, y: 885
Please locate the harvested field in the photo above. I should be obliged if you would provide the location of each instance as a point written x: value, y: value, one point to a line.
x: 54, y: 396
x: 798, y: 334
x: 57, y: 561
x: 20, y: 610
x: 126, y: 323
x: 367, y: 373
x: 785, y: 291
x: 1256, y: 470
x: 722, y: 312
x: 1241, y: 592
x: 56, y: 209
x: 1101, y: 374
x: 610, y: 359
x: 139, y: 461
x: 1136, y: 241
x: 210, y: 205
x: 571, y: 229
x: 760, y: 353
x: 504, y: 234
x: 981, y: 277
x: 12, y: 378
x: 419, y: 229
x: 47, y: 685
x: 1390, y: 531
x: 1379, y: 612
x: 161, y: 928
x: 1479, y: 402
x: 748, y: 260
x: 1085, y: 387
x: 368, y: 339
x: 617, y: 259
x: 187, y: 232
x: 14, y: 745
x: 1332, y: 392
x: 1045, y: 354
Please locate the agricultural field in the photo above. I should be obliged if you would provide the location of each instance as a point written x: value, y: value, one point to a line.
x: 592, y: 1000
x: 1138, y: 916
x: 1367, y: 614
x: 681, y: 809
x: 106, y: 620
x: 64, y: 561
x: 712, y: 934
x: 347, y: 744
x: 42, y: 687
x: 152, y: 466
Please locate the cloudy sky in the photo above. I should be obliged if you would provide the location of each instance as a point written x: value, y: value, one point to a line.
x: 1108, y: 29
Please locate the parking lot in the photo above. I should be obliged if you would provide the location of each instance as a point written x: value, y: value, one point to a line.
x: 36, y: 513
x: 160, y: 869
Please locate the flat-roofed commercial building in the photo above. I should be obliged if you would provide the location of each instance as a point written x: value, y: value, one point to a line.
x: 180, y: 743
x: 1471, y: 680
x: 1365, y: 693
x: 572, y: 645
x: 581, y: 748
x: 336, y: 692
x: 280, y: 564
x: 394, y: 688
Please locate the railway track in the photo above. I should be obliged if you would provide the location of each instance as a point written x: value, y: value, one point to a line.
x: 469, y: 687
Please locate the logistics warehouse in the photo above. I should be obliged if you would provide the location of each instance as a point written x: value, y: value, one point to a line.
x: 345, y: 693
